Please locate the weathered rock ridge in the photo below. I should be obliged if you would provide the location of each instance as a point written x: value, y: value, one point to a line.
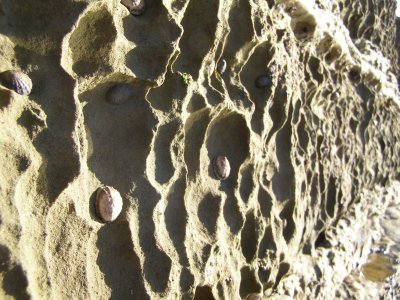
x: 313, y: 148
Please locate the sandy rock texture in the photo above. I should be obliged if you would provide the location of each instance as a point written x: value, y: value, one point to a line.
x: 313, y: 148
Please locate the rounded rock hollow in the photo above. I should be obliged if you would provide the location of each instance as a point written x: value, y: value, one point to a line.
x: 17, y: 81
x: 108, y: 204
x: 221, y: 167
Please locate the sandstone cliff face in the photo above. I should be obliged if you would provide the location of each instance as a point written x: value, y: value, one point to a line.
x: 313, y: 148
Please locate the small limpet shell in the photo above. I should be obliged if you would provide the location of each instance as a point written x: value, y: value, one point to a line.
x: 221, y: 167
x: 254, y: 296
x: 17, y: 81
x: 221, y: 66
x: 119, y: 93
x: 263, y: 81
x: 354, y: 75
x: 228, y: 280
x: 135, y: 7
x: 108, y: 203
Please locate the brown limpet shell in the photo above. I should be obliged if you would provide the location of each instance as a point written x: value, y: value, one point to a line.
x: 354, y: 75
x: 254, y: 296
x: 119, y: 93
x: 221, y: 167
x: 108, y: 203
x: 135, y: 7
x: 263, y: 81
x: 221, y: 66
x: 17, y: 81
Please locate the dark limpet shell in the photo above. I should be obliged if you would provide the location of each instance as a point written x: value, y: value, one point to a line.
x: 119, y: 93
x: 221, y: 167
x: 354, y: 75
x: 221, y: 66
x: 17, y: 81
x: 228, y: 280
x: 263, y: 81
x: 108, y: 203
x: 335, y: 96
x: 135, y: 7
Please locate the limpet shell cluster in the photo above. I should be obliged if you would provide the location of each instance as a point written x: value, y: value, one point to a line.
x: 221, y: 167
x: 108, y: 203
x: 135, y: 7
x: 119, y: 93
x: 17, y: 81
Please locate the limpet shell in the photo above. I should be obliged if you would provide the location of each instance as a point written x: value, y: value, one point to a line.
x: 108, y: 203
x: 228, y: 280
x: 221, y: 66
x: 354, y: 75
x: 17, y: 81
x: 119, y: 93
x: 254, y: 296
x: 378, y: 267
x: 135, y: 7
x: 263, y: 81
x: 221, y: 167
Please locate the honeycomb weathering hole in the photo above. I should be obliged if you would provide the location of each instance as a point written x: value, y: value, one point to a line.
x: 249, y: 142
x: 304, y: 28
x: 91, y: 42
x: 203, y: 293
x: 229, y: 136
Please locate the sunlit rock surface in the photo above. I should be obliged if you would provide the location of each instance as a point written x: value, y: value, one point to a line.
x: 306, y: 111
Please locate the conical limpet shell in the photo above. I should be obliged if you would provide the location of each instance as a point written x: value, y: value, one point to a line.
x: 263, y: 81
x: 354, y: 75
x: 135, y: 7
x: 119, y: 93
x: 254, y: 296
x: 17, y: 81
x: 108, y: 203
x: 221, y: 167
x: 221, y: 66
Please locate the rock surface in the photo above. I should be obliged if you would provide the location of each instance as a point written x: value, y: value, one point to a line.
x: 314, y: 156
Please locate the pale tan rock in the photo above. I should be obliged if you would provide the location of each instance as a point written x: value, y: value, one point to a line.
x: 311, y: 149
